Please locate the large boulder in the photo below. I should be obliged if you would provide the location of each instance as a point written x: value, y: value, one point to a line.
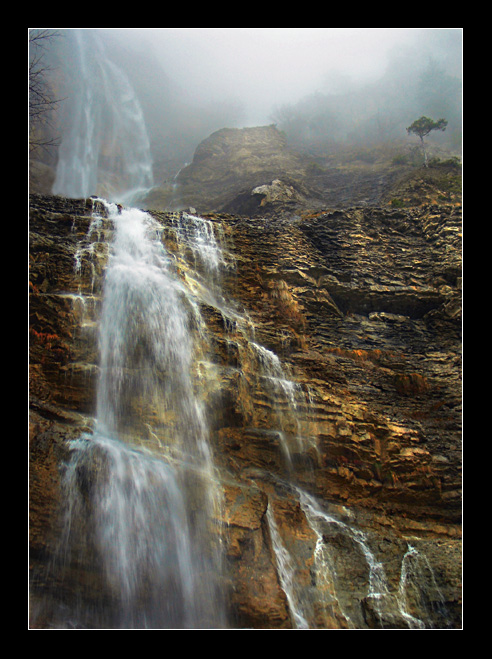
x: 230, y: 164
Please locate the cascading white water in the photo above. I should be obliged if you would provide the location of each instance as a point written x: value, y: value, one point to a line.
x: 286, y: 572
x: 318, y: 601
x: 104, y: 127
x: 418, y: 592
x: 145, y: 343
x: 141, y: 499
x: 289, y: 397
x: 378, y: 590
x: 126, y: 522
x: 197, y: 242
x: 143, y: 522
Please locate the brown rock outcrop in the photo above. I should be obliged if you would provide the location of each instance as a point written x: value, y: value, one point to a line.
x: 254, y: 171
x: 238, y: 170
x: 331, y: 375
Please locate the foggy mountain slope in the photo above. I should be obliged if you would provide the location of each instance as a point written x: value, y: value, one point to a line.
x: 340, y: 99
x: 336, y: 145
x: 256, y: 173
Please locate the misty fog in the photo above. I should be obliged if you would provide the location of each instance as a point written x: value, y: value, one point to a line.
x: 261, y: 68
x: 324, y: 87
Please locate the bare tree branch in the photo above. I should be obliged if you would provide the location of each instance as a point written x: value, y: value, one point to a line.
x: 41, y: 100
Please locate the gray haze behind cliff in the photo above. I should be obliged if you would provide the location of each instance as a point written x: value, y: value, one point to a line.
x: 324, y: 87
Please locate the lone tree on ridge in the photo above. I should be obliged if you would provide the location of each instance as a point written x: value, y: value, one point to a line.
x: 422, y: 127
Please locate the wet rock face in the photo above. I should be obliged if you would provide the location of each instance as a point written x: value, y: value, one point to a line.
x: 328, y: 360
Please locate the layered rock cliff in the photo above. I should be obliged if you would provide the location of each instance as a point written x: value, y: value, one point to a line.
x: 329, y: 366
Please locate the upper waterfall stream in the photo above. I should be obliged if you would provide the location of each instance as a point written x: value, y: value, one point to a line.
x: 105, y: 147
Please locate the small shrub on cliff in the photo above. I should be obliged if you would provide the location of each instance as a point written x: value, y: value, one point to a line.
x: 451, y: 163
x: 401, y: 159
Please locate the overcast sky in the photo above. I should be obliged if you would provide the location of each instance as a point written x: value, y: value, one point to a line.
x: 266, y: 67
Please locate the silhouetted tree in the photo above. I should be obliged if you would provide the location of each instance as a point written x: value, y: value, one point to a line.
x: 422, y: 127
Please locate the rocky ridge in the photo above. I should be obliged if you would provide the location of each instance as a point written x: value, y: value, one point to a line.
x: 255, y: 172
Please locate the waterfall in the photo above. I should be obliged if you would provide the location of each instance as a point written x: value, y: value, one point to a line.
x: 290, y: 401
x: 279, y: 400
x: 286, y: 572
x: 420, y: 600
x: 141, y: 521
x: 144, y: 339
x: 143, y: 540
x: 125, y: 518
x: 105, y: 148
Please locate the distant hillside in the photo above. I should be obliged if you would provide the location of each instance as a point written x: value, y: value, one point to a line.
x: 254, y: 172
